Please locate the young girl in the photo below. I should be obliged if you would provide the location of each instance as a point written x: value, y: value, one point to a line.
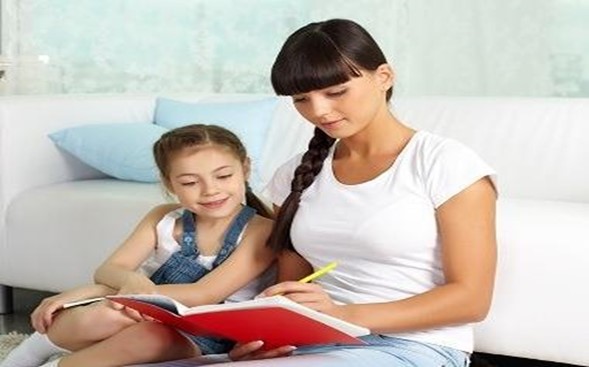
x: 208, y: 248
x: 409, y: 215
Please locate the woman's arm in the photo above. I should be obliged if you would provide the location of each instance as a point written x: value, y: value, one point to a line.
x: 292, y: 266
x: 119, y: 270
x: 467, y: 229
x: 249, y: 259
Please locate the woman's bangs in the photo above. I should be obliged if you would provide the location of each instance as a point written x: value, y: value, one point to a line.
x: 313, y: 67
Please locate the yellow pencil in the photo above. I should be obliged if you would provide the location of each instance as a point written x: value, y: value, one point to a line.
x: 324, y: 270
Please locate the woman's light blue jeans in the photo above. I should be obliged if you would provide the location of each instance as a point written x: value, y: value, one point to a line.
x: 387, y: 351
x: 381, y: 351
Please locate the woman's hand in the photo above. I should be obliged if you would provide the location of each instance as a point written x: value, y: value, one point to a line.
x: 307, y: 294
x: 252, y: 350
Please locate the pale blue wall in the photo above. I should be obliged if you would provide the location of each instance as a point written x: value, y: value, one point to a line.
x: 438, y: 47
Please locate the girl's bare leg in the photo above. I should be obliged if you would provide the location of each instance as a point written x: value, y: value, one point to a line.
x: 143, y: 342
x: 71, y: 330
x: 80, y: 327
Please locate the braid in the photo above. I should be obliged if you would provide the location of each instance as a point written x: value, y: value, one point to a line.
x: 304, y: 175
x: 252, y: 200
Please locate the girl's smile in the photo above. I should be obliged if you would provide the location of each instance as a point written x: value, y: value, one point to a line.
x: 214, y: 204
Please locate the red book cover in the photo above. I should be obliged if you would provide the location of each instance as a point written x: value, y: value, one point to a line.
x: 275, y: 320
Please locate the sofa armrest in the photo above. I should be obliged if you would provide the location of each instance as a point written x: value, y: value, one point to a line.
x: 28, y: 158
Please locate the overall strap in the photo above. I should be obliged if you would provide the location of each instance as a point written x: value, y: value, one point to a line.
x: 188, y: 245
x: 233, y: 233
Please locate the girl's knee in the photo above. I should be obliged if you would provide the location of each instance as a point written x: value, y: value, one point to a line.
x: 76, y: 328
x: 153, y: 341
x: 99, y: 314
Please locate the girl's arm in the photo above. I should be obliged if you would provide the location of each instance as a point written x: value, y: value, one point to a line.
x: 467, y: 229
x: 119, y: 270
x: 249, y: 259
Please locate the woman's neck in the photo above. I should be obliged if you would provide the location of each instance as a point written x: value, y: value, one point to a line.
x: 385, y: 135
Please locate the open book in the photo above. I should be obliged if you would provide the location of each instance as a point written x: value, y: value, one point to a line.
x: 276, y: 320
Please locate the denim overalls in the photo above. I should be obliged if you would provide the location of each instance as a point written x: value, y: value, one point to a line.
x: 183, y: 267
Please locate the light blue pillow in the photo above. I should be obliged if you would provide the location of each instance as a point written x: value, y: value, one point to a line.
x: 122, y: 150
x: 249, y: 120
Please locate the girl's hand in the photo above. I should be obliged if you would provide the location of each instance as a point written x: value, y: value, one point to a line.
x: 249, y: 351
x: 128, y: 311
x: 307, y: 294
x: 137, y: 283
x: 42, y: 316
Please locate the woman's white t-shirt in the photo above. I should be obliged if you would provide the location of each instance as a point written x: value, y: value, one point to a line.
x: 383, y: 232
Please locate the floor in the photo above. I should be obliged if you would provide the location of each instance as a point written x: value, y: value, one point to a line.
x: 26, y: 300
x: 24, y: 303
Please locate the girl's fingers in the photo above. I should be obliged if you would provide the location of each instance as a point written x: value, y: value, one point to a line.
x: 115, y: 305
x: 37, y: 325
x: 134, y: 315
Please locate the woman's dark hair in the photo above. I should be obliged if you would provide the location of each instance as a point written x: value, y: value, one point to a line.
x: 318, y: 55
x: 323, y: 54
x: 194, y: 136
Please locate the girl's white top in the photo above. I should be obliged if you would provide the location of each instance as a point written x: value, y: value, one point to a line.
x: 167, y: 245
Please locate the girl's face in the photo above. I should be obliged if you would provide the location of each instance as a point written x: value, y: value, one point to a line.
x: 209, y: 181
x: 345, y: 109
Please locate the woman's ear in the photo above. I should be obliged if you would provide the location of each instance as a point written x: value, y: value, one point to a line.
x: 385, y: 77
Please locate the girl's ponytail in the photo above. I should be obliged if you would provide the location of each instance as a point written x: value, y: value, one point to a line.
x: 255, y: 202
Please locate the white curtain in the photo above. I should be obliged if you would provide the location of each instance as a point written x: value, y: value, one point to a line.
x: 437, y: 47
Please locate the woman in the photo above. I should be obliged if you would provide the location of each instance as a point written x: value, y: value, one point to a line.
x: 409, y: 215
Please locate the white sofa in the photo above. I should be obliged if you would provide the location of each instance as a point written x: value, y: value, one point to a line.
x: 59, y: 218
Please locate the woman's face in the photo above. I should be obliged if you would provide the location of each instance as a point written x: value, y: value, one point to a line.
x: 345, y: 109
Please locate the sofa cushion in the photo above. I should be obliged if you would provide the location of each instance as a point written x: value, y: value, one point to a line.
x: 73, y: 226
x: 249, y: 120
x: 121, y: 150
x: 543, y: 253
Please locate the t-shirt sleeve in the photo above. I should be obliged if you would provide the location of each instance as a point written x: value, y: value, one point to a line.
x: 452, y: 167
x: 279, y: 186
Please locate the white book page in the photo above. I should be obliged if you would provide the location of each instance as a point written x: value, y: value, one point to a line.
x: 82, y: 302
